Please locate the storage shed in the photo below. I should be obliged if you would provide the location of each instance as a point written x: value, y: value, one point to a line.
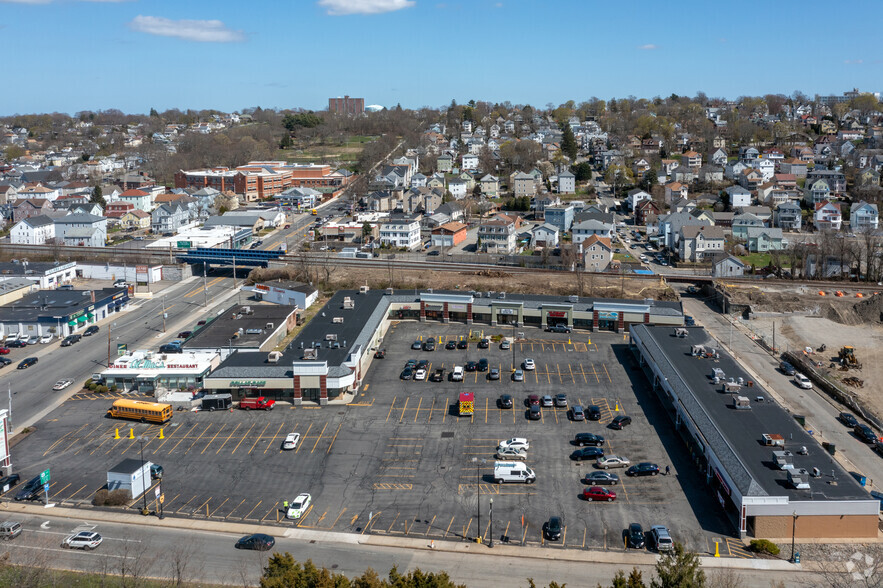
x: 130, y: 474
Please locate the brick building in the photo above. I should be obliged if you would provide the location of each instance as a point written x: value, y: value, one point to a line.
x: 346, y: 105
x: 264, y: 179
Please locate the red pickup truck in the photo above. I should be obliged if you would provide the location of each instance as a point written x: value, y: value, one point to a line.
x: 260, y: 403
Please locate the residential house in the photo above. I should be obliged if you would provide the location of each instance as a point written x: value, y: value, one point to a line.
x: 767, y: 169
x: 727, y: 266
x: 544, y: 235
x: 691, y: 159
x: 490, y: 186
x: 703, y: 214
x: 734, y: 170
x: 34, y: 230
x: 444, y: 163
x: 711, y: 174
x: 741, y: 222
x: 560, y: 216
x: 635, y: 196
x: 469, y: 162
x: 418, y: 180
x: 764, y: 213
x: 763, y: 239
x: 718, y: 157
x: 863, y: 217
x: 135, y: 219
x: 789, y: 217
x: 670, y: 225
x: 115, y: 210
x: 523, y: 184
x: 469, y: 179
x: 675, y: 190
x: 794, y: 166
x: 748, y: 155
x: 168, y: 218
x: 669, y: 165
x: 566, y: 183
x: 699, y: 243
x: 644, y: 209
x: 682, y: 205
x: 868, y: 177
x: 457, y: 188
x: 497, y: 235
x: 140, y: 199
x: 448, y: 235
x: 640, y: 167
x: 22, y: 209
x: 739, y: 196
x: 723, y: 219
x: 82, y: 230
x: 585, y: 229
x: 597, y: 253
x: 827, y: 216
x: 684, y: 174
x: 817, y: 191
x: 836, y: 179
x: 750, y: 178
x: 402, y: 232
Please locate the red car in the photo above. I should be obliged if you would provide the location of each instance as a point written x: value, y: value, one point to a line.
x: 599, y: 493
x: 4, y: 350
x: 533, y: 400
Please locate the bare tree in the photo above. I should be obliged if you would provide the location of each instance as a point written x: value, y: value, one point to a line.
x: 861, y: 569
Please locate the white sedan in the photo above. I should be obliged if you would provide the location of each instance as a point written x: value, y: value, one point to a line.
x: 515, y: 443
x: 802, y: 381
x: 47, y: 338
x: 299, y: 506
x: 529, y: 364
x: 420, y: 374
x: 62, y: 384
x: 291, y: 441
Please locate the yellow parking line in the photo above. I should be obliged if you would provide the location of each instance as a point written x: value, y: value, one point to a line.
x: 322, y: 432
x: 241, y: 440
x: 449, y: 527
x: 333, y: 439
x: 77, y: 492
x: 558, y: 367
x: 273, y: 440
x: 212, y: 439
x: 217, y: 507
x: 570, y: 369
x: 258, y: 438
x: 230, y: 436
x: 198, y: 438
x: 334, y: 524
x: 185, y: 504
x: 370, y: 522
x: 62, y: 490
x: 304, y: 437
x: 445, y: 411
x: 431, y: 409
x: 609, y: 379
x: 418, y: 410
x: 252, y: 510
x: 269, y: 512
x: 181, y: 439
x: 391, y: 406
x: 595, y: 372
x: 486, y: 401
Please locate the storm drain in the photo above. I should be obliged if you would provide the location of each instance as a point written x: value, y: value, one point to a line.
x: 447, y: 435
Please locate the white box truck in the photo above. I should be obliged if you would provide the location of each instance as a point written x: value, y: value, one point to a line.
x: 513, y: 471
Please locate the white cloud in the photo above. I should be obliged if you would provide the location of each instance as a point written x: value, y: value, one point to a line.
x: 342, y: 7
x: 854, y: 61
x: 203, y: 31
x: 648, y: 47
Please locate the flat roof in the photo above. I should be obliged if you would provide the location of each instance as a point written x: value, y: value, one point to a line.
x: 249, y: 320
x: 52, y: 303
x: 741, y: 431
x: 10, y: 268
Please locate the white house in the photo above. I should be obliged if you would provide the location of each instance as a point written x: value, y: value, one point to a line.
x: 400, y: 232
x: 827, y: 216
x: 545, y: 235
x: 699, y: 243
x: 457, y: 188
x: 636, y: 196
x: 566, y: 183
x: 87, y: 230
x: 739, y: 196
x: 469, y: 162
x: 36, y: 230
x: 863, y: 216
x: 585, y: 229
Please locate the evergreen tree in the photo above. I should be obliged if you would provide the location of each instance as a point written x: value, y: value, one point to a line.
x: 568, y: 142
x: 97, y: 196
x: 679, y: 568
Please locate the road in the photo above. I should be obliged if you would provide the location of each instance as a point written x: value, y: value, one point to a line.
x: 193, y: 554
x: 820, y: 411
x: 139, y: 328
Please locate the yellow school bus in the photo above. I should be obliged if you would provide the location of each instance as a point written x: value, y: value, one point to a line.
x: 139, y: 410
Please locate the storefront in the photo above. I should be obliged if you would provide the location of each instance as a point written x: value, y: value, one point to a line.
x: 507, y: 313
x: 148, y: 372
x: 275, y: 388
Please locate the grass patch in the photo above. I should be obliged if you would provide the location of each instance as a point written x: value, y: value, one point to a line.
x: 307, y: 316
x: 758, y: 260
x: 42, y: 577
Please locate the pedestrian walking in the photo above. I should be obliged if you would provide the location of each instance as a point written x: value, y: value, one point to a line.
x: 667, y: 470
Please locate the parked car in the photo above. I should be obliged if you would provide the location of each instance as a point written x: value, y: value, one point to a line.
x: 518, y: 376
x: 156, y: 471
x: 561, y: 400
x: 865, y: 433
x: 533, y: 400
x: 471, y: 366
x: 438, y: 375
x: 661, y: 538
x: 802, y: 381
x: 31, y: 490
x: 184, y: 334
x: 7, y: 482
x: 457, y: 374
x: 645, y: 468
x: 257, y: 542
x: 92, y: 329
x: 380, y: 354
x: 516, y: 442
x: 562, y: 328
x: 848, y: 419
x: 594, y: 412
x: 787, y: 368
x: 299, y: 506
x: 83, y: 540
x: 583, y: 439
x: 26, y: 363
x: 552, y: 529
x: 407, y: 374
x: 635, y: 536
x: 462, y: 344
x: 416, y: 345
x: 9, y: 530
x: 4, y: 362
x: 482, y: 365
x: 529, y: 364
x: 451, y: 345
x: 33, y: 339
x: 577, y: 413
x: 597, y: 493
x: 291, y: 441
x: 600, y: 477
x: 620, y: 422
x: 46, y: 338
x: 16, y: 343
x: 420, y: 374
x: 484, y: 343
x: 587, y: 453
x: 612, y: 461
x: 504, y: 345
x: 494, y: 374
x: 547, y: 401
x: 429, y: 345
x: 506, y: 401
x: 535, y: 413
x: 508, y: 453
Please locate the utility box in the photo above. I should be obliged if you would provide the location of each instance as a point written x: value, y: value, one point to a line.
x: 130, y: 474
x: 741, y: 403
x: 784, y: 460
x: 217, y: 402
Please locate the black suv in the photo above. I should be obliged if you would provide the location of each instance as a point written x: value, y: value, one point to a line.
x: 787, y: 368
x: 848, y: 419
x: 552, y: 529
x: 462, y: 344
x: 31, y: 490
x: 593, y: 412
x: 484, y: 344
x: 635, y: 536
x: 506, y: 401
x: 429, y: 345
x: 864, y: 433
x: 482, y: 365
x: 583, y: 439
x: 620, y: 422
x: 170, y: 348
x: 90, y: 331
x: 587, y: 453
x: 70, y: 340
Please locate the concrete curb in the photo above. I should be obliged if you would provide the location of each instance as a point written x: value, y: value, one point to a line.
x: 627, y: 559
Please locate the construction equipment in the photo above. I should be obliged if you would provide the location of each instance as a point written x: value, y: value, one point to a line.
x: 847, y: 357
x: 854, y: 382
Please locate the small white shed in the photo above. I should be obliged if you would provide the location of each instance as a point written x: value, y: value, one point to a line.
x: 130, y: 474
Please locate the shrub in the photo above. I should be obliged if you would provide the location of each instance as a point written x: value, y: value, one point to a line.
x: 101, y: 389
x: 118, y: 497
x: 114, y: 388
x: 92, y: 386
x: 100, y: 498
x: 764, y: 546
x: 87, y: 383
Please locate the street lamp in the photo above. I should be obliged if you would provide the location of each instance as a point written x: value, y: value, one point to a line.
x: 144, y: 511
x: 793, y: 533
x: 491, y: 541
x: 478, y: 463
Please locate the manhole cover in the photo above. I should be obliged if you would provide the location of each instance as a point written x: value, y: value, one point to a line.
x: 447, y: 435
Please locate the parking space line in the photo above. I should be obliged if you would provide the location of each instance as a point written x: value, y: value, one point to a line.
x: 506, y: 532
x: 334, y: 524
x: 62, y: 490
x: 62, y: 438
x: 449, y: 527
x: 91, y: 433
x: 273, y: 440
x: 252, y: 510
x: 241, y: 440
x: 466, y: 529
x: 416, y: 414
x: 486, y: 403
x: 212, y: 440
x: 583, y: 546
x: 258, y: 438
x: 558, y: 367
x: 301, y: 520
x: 609, y: 379
x: 77, y: 492
x: 304, y: 437
x: 185, y: 504
x: 217, y: 507
x: 230, y: 436
x: 548, y: 374
x: 391, y: 406
x: 595, y: 372
x: 171, y: 435
x: 429, y: 526
x: 445, y: 410
x: 199, y: 508
x: 431, y: 409
x: 322, y: 432
x: 555, y: 412
x: 570, y: 369
x: 486, y: 531
x: 585, y: 380
x: 198, y: 438
x: 269, y: 512
x: 564, y: 536
x: 333, y: 439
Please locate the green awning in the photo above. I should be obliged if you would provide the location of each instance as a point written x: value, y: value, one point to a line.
x: 81, y: 319
x: 90, y: 316
x: 72, y: 323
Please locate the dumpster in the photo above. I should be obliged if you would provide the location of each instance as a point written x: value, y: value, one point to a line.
x: 862, y: 480
x: 800, y: 419
x: 829, y: 447
x: 217, y: 402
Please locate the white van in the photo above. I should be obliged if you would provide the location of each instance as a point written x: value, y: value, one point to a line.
x: 513, y: 471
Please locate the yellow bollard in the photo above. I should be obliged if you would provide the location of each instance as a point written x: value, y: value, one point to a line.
x: 116, y: 433
x: 161, y: 436
x: 617, y: 407
x: 568, y: 341
x: 717, y: 549
x: 590, y: 342
x: 131, y: 433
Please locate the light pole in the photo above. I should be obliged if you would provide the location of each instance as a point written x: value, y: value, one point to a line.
x: 514, y: 324
x: 163, y: 314
x: 144, y: 510
x: 204, y: 285
x: 109, y: 329
x: 793, y: 533
x: 478, y: 463
x: 491, y: 540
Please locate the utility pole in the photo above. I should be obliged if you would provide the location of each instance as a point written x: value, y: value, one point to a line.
x: 163, y: 314
x: 9, y: 420
x: 204, y: 284
x: 491, y: 540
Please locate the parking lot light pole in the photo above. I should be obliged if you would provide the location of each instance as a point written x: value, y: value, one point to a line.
x: 144, y: 511
x: 793, y: 533
x: 491, y: 540
x: 478, y: 463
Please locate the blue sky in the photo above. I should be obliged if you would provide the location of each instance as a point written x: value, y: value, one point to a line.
x: 72, y: 55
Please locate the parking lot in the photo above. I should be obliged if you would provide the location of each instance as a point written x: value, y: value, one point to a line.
x: 399, y: 459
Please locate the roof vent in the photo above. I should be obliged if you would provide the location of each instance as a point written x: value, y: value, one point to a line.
x: 363, y: 289
x: 310, y: 354
x: 389, y: 291
x: 348, y: 303
x: 274, y: 356
x: 573, y: 298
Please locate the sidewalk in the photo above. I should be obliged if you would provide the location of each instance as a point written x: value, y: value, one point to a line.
x: 624, y: 558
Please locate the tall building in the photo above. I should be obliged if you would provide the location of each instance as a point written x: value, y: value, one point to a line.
x: 346, y: 105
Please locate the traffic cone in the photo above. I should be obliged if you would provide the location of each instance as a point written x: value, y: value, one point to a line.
x: 161, y: 436
x: 568, y: 341
x: 131, y: 433
x: 116, y: 433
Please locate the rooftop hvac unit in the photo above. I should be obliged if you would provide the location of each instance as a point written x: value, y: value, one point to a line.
x: 274, y: 356
x: 269, y: 326
x: 573, y: 298
x: 363, y: 289
x: 310, y: 354
x: 389, y: 291
x: 501, y: 295
x: 337, y: 320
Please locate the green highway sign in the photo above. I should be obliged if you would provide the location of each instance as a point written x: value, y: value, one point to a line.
x: 185, y: 244
x: 44, y: 477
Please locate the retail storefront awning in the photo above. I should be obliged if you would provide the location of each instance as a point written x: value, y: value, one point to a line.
x: 72, y: 323
x: 81, y: 319
x: 90, y: 316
